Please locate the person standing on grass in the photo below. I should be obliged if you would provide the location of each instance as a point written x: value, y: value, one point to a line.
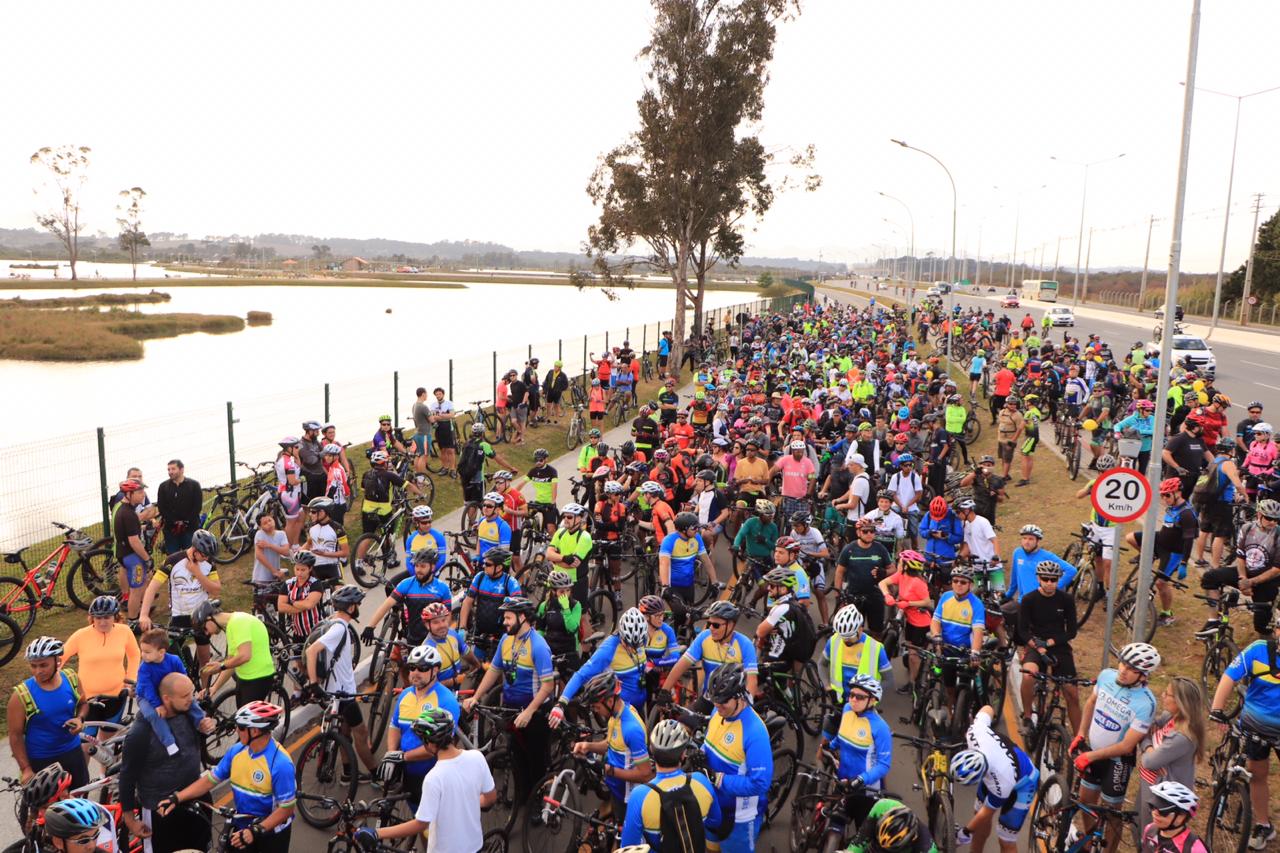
x: 441, y: 418
x: 421, y: 430
x: 533, y: 387
x: 309, y: 456
x: 130, y: 545
x: 269, y: 545
x: 290, y: 489
x: 1174, y: 745
x: 179, y: 501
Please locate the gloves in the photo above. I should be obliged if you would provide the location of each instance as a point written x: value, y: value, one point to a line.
x: 663, y: 697
x: 1082, y: 762
x: 167, y: 804
x: 389, y: 766
x: 963, y: 836
x: 1219, y: 716
x: 312, y: 693
x: 1076, y: 743
x: 366, y: 838
x: 854, y: 785
x: 890, y: 601
x: 366, y: 636
x: 556, y: 717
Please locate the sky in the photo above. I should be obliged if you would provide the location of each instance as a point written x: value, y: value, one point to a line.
x: 426, y: 121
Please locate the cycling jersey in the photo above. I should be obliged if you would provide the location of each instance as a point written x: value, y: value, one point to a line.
x: 684, y: 554
x: 713, y: 655
x: 627, y: 665
x: 1262, y: 686
x: 643, y: 824
x: 1010, y: 771
x: 493, y: 532
x: 661, y: 642
x: 543, y: 478
x: 525, y: 662
x: 1119, y: 709
x: 47, y: 712
x: 452, y: 648
x: 329, y: 538
x: 415, y: 595
x: 1185, y: 841
x: 261, y: 782
x: 377, y: 484
x: 304, y: 622
x: 572, y: 545
x: 417, y: 540
x: 408, y: 706
x: 1022, y: 571
x: 864, y: 745
x: 739, y: 747
x: 627, y: 746
x: 185, y: 592
x: 865, y: 657
x: 960, y: 617
x: 487, y: 593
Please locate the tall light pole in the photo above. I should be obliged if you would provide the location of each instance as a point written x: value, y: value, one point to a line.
x: 912, y: 220
x: 1017, y: 217
x: 1231, y: 176
x: 951, y: 265
x: 1084, y: 195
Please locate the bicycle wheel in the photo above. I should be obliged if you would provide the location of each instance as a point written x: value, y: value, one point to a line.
x: 1230, y: 817
x: 1127, y: 614
x: 380, y: 662
x: 1084, y: 588
x: 813, y: 699
x: 495, y: 841
x: 370, y: 569
x: 785, y: 732
x: 941, y: 821
x: 426, y: 488
x: 10, y: 639
x: 18, y: 601
x: 603, y: 609
x: 222, y: 710
x: 495, y: 427
x: 93, y: 574
x: 501, y: 816
x: 573, y: 435
x: 784, y: 777
x: 455, y: 575
x: 1215, y: 662
x: 385, y: 688
x: 937, y: 713
x: 325, y: 761
x: 961, y: 713
x: 1073, y: 459
x: 232, y: 535
x: 1051, y: 816
x: 972, y: 429
x: 1053, y: 750
x: 549, y: 826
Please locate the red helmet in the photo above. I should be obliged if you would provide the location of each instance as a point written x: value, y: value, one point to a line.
x: 786, y: 543
x: 434, y: 610
x: 1171, y: 486
x: 131, y: 486
x: 938, y: 507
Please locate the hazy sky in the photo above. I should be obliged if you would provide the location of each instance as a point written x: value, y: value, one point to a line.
x: 483, y: 120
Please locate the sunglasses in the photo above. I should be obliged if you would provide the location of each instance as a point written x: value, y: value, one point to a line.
x: 85, y: 840
x: 490, y: 506
x: 859, y: 697
x: 716, y: 624
x: 1167, y: 811
x: 961, y: 580
x: 421, y: 668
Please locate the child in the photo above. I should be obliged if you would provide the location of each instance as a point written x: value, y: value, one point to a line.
x: 157, y: 662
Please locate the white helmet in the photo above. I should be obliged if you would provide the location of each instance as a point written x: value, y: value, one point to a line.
x: 868, y: 683
x: 1141, y: 656
x: 1031, y: 530
x: 613, y: 487
x: 424, y: 655
x: 797, y: 445
x: 651, y: 487
x: 494, y: 498
x: 668, y: 735
x: 633, y: 628
x: 848, y: 622
x: 44, y: 647
x: 968, y: 766
x: 573, y: 509
x: 1263, y: 427
x: 423, y: 513
x: 377, y: 457
x: 1176, y: 794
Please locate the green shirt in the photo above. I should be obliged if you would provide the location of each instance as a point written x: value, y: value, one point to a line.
x: 585, y: 455
x: 246, y: 628
x: 757, y: 537
x: 955, y: 418
x: 572, y: 545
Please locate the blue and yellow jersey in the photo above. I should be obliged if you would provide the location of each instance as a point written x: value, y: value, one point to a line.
x: 627, y: 664
x: 417, y: 540
x: 959, y: 616
x: 628, y: 746
x: 493, y: 532
x: 713, y: 655
x: 864, y: 744
x: 261, y: 782
x: 408, y: 706
x: 526, y: 665
x: 452, y: 649
x: 1262, y: 684
x: 739, y: 748
x: 684, y: 555
x: 644, y: 806
x: 661, y: 642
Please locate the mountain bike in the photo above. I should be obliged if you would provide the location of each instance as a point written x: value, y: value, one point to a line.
x: 558, y: 819
x: 382, y: 812
x: 804, y: 693
x: 1086, y: 587
x: 820, y: 818
x: 577, y: 427
x: 619, y: 408
x: 933, y: 760
x: 93, y: 573
x: 493, y: 425
x: 376, y: 555
x: 1230, y: 813
x: 1060, y: 823
x: 1129, y: 599
x: 236, y: 528
x: 1050, y: 735
x: 1220, y: 647
x: 1071, y: 447
x: 328, y: 767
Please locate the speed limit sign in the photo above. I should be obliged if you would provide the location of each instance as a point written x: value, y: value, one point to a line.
x: 1121, y: 495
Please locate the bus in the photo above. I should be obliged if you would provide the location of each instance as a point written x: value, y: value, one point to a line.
x: 1042, y: 289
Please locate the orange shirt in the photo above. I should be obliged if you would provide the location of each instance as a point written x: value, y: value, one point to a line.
x: 104, y: 661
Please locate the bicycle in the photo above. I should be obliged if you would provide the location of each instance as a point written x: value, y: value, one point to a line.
x: 1220, y: 648
x: 375, y: 554
x: 1128, y: 600
x: 493, y: 425
x: 933, y: 759
x: 1086, y: 588
x: 328, y: 765
x: 1050, y: 736
x: 1062, y: 824
x: 820, y: 816
x: 930, y: 708
x: 556, y: 821
x: 619, y: 407
x: 1230, y: 814
x: 1071, y: 447
x: 354, y: 814
x: 804, y: 693
x: 92, y: 574
x: 221, y: 839
x: 577, y: 428
x: 236, y: 528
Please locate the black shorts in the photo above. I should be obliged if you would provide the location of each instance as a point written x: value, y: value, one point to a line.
x: 1110, y: 776
x: 871, y: 604
x: 1256, y: 751
x: 253, y: 689
x: 184, y: 621
x: 444, y: 437
x: 1062, y: 661
x: 1263, y: 594
x: 550, y: 512
x: 515, y: 540
x: 351, y: 713
x: 916, y: 635
x: 1216, y: 518
x: 473, y: 492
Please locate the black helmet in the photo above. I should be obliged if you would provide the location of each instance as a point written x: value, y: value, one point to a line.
x: 707, y: 474
x: 347, y: 597
x: 705, y: 461
x: 599, y: 688
x: 517, y: 604
x: 801, y: 518
x: 540, y: 454
x: 434, y: 725
x: 205, y: 611
x: 686, y: 521
x: 628, y: 448
x: 727, y: 683
x: 726, y: 610
x: 499, y: 556
x: 896, y: 831
x: 104, y: 605
x: 204, y: 542
x: 304, y: 557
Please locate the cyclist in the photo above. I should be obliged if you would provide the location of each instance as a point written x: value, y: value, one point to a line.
x: 678, y: 558
x: 492, y: 530
x: 338, y: 641
x: 131, y: 543
x: 489, y: 588
x: 1256, y: 570
x: 107, y: 658
x: 627, y: 763
x: 303, y: 597
x: 862, y: 564
x: 892, y: 827
x: 514, y: 509
x: 406, y: 757
x: 589, y: 451
x: 1006, y: 777
x: 46, y: 715
x: 643, y: 824
x: 623, y: 654
x: 942, y: 531
x: 569, y: 549
x: 1214, y: 498
x: 263, y: 783
x: 1173, y: 808
x: 558, y: 620
x: 79, y: 826
x: 1116, y: 717
x: 959, y: 621
x: 890, y: 528
x: 1025, y: 564
x: 377, y: 486
x: 662, y: 637
x: 1174, y: 541
x: 412, y: 595
x: 976, y: 365
x: 327, y: 539
x: 851, y: 652
x: 1100, y: 528
x: 785, y: 551
x: 909, y: 592
x: 786, y: 634
x: 450, y: 643
x: 1047, y: 625
x: 716, y: 645
x: 423, y: 534
x: 248, y: 656
x: 653, y: 514
x: 862, y: 743
x: 754, y: 542
x: 739, y: 760
x: 546, y: 485
x: 610, y: 523
x: 193, y: 579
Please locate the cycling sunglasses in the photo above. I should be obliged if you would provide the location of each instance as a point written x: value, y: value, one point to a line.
x: 490, y: 506
x: 716, y: 624
x: 421, y: 668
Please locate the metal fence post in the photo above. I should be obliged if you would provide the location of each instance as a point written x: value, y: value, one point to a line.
x: 326, y: 402
x: 451, y: 379
x: 606, y: 340
x: 102, y: 481
x: 231, y: 441
x: 529, y: 355
x: 559, y: 349
x: 395, y: 397
x: 585, y: 383
x: 644, y: 340
x: 494, y: 387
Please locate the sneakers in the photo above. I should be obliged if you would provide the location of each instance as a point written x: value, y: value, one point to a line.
x: 1166, y: 618
x: 903, y: 689
x: 1093, y: 466
x: 1208, y: 630
x: 1262, y: 835
x: 1023, y: 483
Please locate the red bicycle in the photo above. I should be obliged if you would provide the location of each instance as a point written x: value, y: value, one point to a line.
x: 92, y: 573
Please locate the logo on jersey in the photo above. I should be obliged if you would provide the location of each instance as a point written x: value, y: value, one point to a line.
x: 728, y: 738
x: 259, y: 776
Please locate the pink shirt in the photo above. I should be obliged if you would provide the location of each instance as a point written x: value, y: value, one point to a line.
x: 795, y: 475
x: 1260, y: 457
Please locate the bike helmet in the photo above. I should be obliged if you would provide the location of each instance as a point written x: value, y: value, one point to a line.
x: 498, y: 556
x: 848, y: 622
x: 426, y: 555
x: 1049, y: 569
x: 968, y: 766
x: 258, y: 715
x: 651, y: 604
x: 633, y: 628
x: 661, y: 455
x: 310, y: 426
x: 477, y: 428
x: 765, y: 506
x: 966, y: 505
x: 205, y: 611
x: 651, y: 487
x: 304, y: 558
x: 613, y: 487
x: 781, y: 577
x: 726, y: 610
x: 1106, y: 462
x: 706, y: 474
x: 517, y: 604
x: 627, y: 448
x: 911, y: 561
x: 204, y: 542
x: 104, y: 605
x: 1176, y: 795
x: 130, y: 486
x: 667, y: 740
x: 864, y: 524
x: 1222, y: 400
x: 599, y: 688
x: 884, y: 495
x: 347, y: 597
x: 727, y: 683
x: 1225, y: 441
x: 797, y: 445
x: 423, y: 513
x: 802, y: 518
x: 1145, y: 405
x: 686, y: 521
x: 377, y: 457
x: 1140, y: 656
x: 541, y: 454
x: 897, y: 831
x: 503, y: 475
x: 331, y: 450
x: 938, y: 508
x: 954, y: 399
x: 787, y: 543
x: 1171, y: 486
x: 424, y: 656
x: 434, y: 725
x: 574, y: 510
x: 493, y: 498
x: 1031, y: 530
x: 435, y: 610
x: 320, y: 503
x: 46, y: 786
x: 906, y: 459
x: 868, y: 683
x: 76, y: 816
x: 1254, y: 404
x: 1263, y: 427
x: 1269, y: 509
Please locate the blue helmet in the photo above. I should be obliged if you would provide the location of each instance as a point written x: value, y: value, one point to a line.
x: 904, y: 413
x: 905, y: 458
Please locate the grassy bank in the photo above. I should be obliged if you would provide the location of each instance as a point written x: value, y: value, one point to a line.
x: 93, y: 300
x: 92, y: 335
x: 218, y: 280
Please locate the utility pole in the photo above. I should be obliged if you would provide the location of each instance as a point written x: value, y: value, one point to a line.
x: 1084, y: 293
x: 1056, y: 254
x: 1248, y: 269
x: 1142, y: 288
x: 977, y: 276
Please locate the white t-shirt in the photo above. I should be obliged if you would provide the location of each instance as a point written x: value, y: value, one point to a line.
x: 324, y: 538
x: 185, y: 592
x: 342, y: 676
x: 810, y: 542
x: 860, y: 491
x: 266, y: 573
x: 906, y: 489
x: 888, y: 524
x: 978, y: 535
x: 451, y: 802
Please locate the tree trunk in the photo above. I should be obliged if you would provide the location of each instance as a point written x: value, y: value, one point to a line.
x: 680, y: 278
x: 697, y: 300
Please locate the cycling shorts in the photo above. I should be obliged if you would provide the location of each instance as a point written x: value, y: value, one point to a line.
x: 1110, y: 776
x: 1064, y: 661
x: 135, y: 574
x: 1256, y: 750
x: 1029, y: 446
x: 1107, y: 536
x: 1217, y: 517
x: 1013, y: 809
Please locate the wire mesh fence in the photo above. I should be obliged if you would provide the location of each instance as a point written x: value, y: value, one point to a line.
x: 70, y: 478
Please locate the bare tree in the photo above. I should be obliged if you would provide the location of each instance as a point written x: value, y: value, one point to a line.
x: 132, y: 237
x: 68, y: 169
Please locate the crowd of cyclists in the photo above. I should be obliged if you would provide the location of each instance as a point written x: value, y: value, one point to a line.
x: 747, y: 567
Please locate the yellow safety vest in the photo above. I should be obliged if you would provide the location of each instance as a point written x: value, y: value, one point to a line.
x: 869, y: 664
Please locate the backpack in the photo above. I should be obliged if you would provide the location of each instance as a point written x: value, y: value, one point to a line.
x: 1209, y: 484
x: 323, y: 662
x: 470, y: 461
x: 680, y: 819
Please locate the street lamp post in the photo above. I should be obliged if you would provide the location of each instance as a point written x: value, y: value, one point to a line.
x: 951, y: 291
x: 1084, y: 195
x: 912, y: 269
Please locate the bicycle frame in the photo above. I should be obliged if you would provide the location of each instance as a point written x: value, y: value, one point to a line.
x: 32, y: 577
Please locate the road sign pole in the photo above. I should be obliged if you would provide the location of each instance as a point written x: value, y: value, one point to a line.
x: 1121, y: 495
x: 1111, y: 597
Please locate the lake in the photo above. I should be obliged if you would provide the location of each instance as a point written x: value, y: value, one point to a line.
x: 86, y: 270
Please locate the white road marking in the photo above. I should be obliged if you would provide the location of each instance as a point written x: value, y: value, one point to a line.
x: 1255, y: 364
x: 1265, y: 385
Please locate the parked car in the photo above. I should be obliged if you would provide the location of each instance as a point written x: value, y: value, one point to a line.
x: 1061, y: 315
x: 1009, y: 301
x: 933, y: 291
x: 1193, y: 352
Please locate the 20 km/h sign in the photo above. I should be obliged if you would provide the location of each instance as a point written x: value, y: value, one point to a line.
x: 1121, y: 495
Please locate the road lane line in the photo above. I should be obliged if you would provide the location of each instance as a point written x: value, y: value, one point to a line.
x: 1265, y: 385
x: 1255, y: 364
